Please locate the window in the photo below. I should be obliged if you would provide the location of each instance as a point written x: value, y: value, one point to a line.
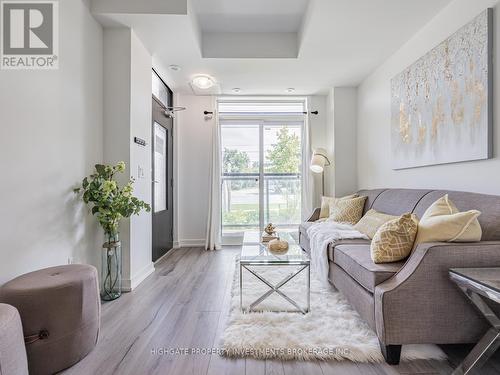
x: 261, y: 165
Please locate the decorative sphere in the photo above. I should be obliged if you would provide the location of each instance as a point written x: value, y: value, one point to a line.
x: 278, y: 246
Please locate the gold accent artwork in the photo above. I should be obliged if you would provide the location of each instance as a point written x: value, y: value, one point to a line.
x: 441, y: 105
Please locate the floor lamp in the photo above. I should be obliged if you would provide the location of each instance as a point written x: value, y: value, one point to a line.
x: 318, y: 162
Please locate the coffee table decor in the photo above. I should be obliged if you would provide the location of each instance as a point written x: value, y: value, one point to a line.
x: 269, y: 233
x: 278, y: 246
x: 257, y: 256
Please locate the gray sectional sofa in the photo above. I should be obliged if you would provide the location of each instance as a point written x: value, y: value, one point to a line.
x: 414, y: 301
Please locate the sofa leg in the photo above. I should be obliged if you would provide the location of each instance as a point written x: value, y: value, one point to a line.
x: 391, y: 353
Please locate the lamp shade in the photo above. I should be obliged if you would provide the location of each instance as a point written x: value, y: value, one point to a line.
x: 319, y: 160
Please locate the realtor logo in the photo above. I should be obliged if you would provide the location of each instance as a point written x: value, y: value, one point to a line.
x: 29, y: 37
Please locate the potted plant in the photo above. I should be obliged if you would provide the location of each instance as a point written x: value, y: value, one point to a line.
x: 110, y: 203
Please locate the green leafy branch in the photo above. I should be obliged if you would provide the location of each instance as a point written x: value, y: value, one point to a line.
x: 108, y: 202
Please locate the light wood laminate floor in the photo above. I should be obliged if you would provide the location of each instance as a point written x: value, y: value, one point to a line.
x: 185, y: 304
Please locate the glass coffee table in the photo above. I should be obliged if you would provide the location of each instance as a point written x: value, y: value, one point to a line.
x: 256, y: 255
x: 477, y: 284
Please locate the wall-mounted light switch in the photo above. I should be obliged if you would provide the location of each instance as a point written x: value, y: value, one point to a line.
x: 140, y: 172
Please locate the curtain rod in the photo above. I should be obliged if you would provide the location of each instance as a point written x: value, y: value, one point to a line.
x: 305, y: 113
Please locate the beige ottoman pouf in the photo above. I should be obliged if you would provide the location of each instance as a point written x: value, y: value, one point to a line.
x: 12, y: 351
x: 60, y: 313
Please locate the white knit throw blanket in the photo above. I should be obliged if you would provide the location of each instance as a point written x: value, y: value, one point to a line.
x: 321, y: 234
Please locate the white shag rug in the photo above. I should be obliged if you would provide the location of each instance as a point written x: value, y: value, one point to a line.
x: 332, y: 330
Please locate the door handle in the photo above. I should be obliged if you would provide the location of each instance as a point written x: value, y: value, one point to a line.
x: 156, y: 181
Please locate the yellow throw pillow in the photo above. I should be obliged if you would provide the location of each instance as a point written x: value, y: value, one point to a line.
x: 347, y: 210
x: 443, y: 222
x: 443, y: 206
x: 371, y: 221
x: 394, y: 239
x: 326, y: 202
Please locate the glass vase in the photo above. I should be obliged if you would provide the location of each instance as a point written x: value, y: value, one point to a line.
x: 111, y: 273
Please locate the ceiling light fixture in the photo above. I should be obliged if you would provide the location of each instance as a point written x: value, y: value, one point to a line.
x: 290, y: 90
x: 175, y: 68
x: 236, y: 90
x: 203, y: 81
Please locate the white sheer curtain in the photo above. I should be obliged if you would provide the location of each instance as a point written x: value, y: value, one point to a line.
x: 213, y: 240
x: 307, y: 178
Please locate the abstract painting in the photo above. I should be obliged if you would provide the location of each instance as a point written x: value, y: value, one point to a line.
x: 441, y: 106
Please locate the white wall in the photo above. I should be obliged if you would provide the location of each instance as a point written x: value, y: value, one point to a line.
x: 140, y: 159
x: 330, y: 143
x: 341, y: 175
x: 344, y: 137
x: 127, y: 114
x: 374, y: 165
x: 50, y: 138
x: 117, y: 117
x: 192, y: 136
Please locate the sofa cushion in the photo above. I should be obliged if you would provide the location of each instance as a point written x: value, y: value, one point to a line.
x: 398, y: 201
x: 359, y: 298
x: 355, y: 260
x: 370, y: 195
x: 356, y: 241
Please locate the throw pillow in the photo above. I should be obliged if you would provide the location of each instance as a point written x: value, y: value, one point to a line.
x: 443, y: 206
x: 326, y: 202
x: 443, y: 222
x: 347, y: 210
x: 371, y: 221
x: 393, y: 241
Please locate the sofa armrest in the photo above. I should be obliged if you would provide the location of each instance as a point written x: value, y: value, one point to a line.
x: 315, y: 214
x: 420, y: 304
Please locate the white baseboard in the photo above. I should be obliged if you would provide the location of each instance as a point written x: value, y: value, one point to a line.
x: 191, y: 243
x: 130, y: 284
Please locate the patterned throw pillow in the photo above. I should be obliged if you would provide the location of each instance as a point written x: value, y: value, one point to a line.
x: 371, y: 221
x: 326, y: 202
x: 394, y: 239
x: 347, y: 210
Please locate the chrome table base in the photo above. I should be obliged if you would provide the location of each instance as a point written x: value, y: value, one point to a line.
x: 490, y: 342
x: 275, y: 288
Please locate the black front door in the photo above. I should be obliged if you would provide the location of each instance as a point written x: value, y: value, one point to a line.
x: 162, y: 184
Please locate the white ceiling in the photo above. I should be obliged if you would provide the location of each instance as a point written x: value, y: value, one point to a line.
x: 250, y: 15
x: 267, y: 46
